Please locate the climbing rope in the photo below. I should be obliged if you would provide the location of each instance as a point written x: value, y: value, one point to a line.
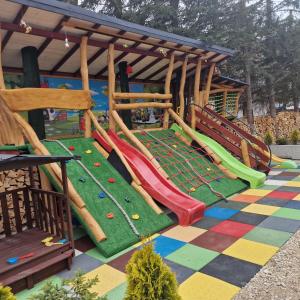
x: 189, y: 164
x: 130, y: 223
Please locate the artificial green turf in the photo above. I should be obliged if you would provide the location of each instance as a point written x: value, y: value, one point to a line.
x: 118, y: 232
x: 173, y: 163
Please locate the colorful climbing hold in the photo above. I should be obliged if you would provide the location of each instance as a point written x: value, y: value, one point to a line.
x: 88, y: 151
x: 143, y: 132
x: 71, y: 148
x: 82, y: 179
x: 157, y: 158
x: 111, y: 180
x: 192, y: 189
x: 126, y: 199
x: 97, y: 164
x: 109, y: 215
x: 135, y: 217
x: 208, y: 169
x: 174, y: 146
x: 102, y: 195
x: 148, y: 145
x: 170, y: 153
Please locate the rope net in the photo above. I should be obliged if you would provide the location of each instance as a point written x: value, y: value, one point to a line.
x: 217, y: 102
x: 189, y: 167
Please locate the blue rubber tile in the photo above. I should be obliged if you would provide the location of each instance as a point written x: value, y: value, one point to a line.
x: 293, y: 204
x: 83, y: 263
x: 220, y: 212
x: 279, y: 177
x: 165, y: 246
x: 272, y: 202
x: 281, y: 224
x: 182, y: 273
x: 248, y: 218
x: 289, y: 189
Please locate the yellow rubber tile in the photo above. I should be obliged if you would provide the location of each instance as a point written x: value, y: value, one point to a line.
x: 260, y: 209
x: 109, y: 278
x: 254, y: 192
x: 297, y: 197
x: 251, y: 251
x: 204, y: 287
x: 185, y: 234
x: 293, y: 183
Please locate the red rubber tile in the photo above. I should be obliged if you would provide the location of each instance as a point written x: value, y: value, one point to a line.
x: 232, y: 228
x: 282, y: 195
x: 214, y: 241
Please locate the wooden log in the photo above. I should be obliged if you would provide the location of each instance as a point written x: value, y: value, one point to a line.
x: 125, y: 106
x: 2, y: 83
x: 208, y: 82
x: 181, y: 88
x: 111, y: 84
x: 245, y: 153
x: 147, y: 198
x: 136, y: 141
x: 168, y: 90
x: 196, y: 92
x: 101, y: 150
x: 85, y: 82
x: 113, y: 145
x: 120, y: 96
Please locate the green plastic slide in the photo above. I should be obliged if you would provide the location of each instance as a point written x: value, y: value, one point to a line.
x: 254, y: 177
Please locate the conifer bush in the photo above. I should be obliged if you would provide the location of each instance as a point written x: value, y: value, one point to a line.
x: 268, y: 138
x: 148, y: 277
x: 6, y: 294
x: 295, y: 137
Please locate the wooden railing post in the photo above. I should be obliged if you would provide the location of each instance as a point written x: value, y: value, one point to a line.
x: 168, y: 90
x: 224, y: 102
x: 181, y: 88
x: 85, y: 81
x: 196, y: 92
x: 208, y: 82
x: 111, y: 84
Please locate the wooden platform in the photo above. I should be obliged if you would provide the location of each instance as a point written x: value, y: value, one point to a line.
x: 45, y: 262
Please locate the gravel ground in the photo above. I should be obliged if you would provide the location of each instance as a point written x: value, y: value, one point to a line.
x: 279, y: 279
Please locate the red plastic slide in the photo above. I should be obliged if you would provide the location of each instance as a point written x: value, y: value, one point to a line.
x: 187, y: 209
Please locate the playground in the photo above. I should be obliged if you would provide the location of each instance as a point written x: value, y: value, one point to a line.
x: 126, y: 165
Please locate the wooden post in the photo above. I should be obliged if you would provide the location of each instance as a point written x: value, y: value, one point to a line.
x: 167, y: 90
x: 85, y: 82
x: 196, y: 92
x: 208, y: 82
x: 224, y: 103
x: 181, y: 88
x: 111, y: 84
x: 236, y: 110
x: 245, y: 153
x: 2, y: 83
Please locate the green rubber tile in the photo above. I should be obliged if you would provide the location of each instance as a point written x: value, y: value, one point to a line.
x: 192, y: 257
x: 268, y: 236
x: 117, y: 293
x: 288, y: 213
x: 25, y: 294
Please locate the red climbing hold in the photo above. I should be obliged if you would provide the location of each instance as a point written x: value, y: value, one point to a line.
x: 71, y: 148
x: 148, y: 145
x: 143, y: 132
x: 97, y: 164
x: 111, y: 180
x: 109, y: 215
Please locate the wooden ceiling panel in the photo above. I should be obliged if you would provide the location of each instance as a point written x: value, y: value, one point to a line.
x: 9, y: 10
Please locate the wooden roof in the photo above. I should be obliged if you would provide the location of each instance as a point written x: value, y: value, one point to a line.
x: 147, y: 50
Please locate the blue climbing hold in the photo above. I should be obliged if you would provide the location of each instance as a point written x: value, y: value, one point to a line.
x: 126, y: 199
x: 102, y: 195
x: 82, y: 179
x: 157, y: 158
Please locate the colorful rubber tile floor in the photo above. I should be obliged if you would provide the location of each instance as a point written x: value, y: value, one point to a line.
x: 214, y: 258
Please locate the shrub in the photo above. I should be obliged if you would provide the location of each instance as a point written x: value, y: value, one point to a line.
x: 268, y: 138
x: 148, y: 277
x: 281, y: 141
x: 295, y: 137
x: 77, y: 288
x: 6, y: 294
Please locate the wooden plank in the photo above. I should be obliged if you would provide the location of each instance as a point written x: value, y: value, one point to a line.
x: 6, y: 219
x: 61, y: 216
x: 120, y: 96
x: 208, y: 82
x: 49, y: 202
x: 196, y: 92
x: 17, y: 213
x: 181, y: 88
x: 58, y: 230
x: 27, y: 208
x: 38, y: 98
x: 125, y: 106
x: 111, y: 84
x: 44, y: 210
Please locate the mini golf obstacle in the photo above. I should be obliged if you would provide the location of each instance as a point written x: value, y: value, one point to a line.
x: 195, y: 171
x: 115, y: 213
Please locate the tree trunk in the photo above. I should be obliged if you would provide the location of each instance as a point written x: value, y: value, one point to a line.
x: 249, y: 98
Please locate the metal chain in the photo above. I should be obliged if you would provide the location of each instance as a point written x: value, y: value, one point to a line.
x: 192, y: 168
x: 102, y: 187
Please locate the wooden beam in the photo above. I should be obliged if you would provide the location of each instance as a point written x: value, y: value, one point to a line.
x: 128, y: 106
x: 84, y: 27
x: 2, y: 82
x: 48, y: 40
x: 196, y: 92
x: 168, y: 90
x: 111, y: 84
x: 181, y: 88
x: 17, y: 21
x: 120, y: 96
x: 208, y: 82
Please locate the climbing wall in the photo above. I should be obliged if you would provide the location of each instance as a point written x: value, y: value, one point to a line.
x: 190, y: 168
x: 114, y: 218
